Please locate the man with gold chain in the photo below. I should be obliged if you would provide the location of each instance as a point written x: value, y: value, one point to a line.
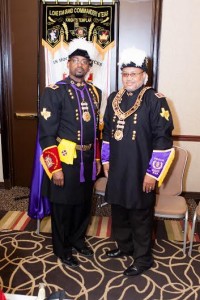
x: 68, y: 122
x: 136, y: 152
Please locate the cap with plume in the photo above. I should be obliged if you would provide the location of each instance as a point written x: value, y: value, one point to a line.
x: 133, y: 57
x: 81, y: 47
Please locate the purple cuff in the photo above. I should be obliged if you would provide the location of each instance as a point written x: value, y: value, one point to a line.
x: 105, y: 152
x: 159, y: 161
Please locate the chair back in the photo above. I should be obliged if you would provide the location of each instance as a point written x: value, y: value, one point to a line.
x: 198, y: 211
x: 172, y: 184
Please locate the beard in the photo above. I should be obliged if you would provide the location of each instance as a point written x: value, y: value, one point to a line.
x: 134, y: 87
x: 129, y: 89
x: 79, y: 75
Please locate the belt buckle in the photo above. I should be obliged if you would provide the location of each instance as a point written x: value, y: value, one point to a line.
x: 83, y: 147
x: 86, y: 147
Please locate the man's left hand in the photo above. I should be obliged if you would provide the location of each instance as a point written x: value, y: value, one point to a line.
x: 149, y: 184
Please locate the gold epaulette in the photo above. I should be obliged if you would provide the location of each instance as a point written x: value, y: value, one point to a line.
x: 53, y: 86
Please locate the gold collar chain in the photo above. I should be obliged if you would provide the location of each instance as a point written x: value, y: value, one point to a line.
x: 117, y: 100
x: 119, y: 133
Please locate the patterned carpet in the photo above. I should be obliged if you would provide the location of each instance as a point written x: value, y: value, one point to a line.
x: 26, y: 259
x: 15, y: 198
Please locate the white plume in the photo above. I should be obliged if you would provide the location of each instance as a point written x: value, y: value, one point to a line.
x: 132, y: 54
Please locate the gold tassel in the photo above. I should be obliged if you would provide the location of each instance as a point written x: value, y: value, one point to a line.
x: 101, y: 126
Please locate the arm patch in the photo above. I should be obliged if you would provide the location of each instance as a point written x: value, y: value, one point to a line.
x: 53, y: 86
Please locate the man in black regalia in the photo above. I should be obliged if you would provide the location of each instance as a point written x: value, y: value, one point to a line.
x: 68, y: 123
x: 136, y: 149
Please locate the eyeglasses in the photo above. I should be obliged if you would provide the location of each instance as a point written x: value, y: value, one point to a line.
x: 132, y: 75
x: 83, y: 62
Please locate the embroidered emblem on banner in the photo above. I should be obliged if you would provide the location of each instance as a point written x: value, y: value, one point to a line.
x: 53, y: 35
x: 80, y: 32
x: 165, y: 114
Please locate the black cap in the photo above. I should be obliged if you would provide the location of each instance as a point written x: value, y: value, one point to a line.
x: 80, y: 52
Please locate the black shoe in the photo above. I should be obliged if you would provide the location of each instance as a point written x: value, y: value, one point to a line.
x: 70, y: 261
x: 135, y: 270
x: 84, y: 251
x: 115, y: 253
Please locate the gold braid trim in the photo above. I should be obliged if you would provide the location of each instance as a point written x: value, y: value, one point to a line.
x: 95, y: 90
x: 105, y: 50
x: 97, y: 95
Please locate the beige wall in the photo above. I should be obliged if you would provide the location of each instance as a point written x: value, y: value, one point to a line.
x: 179, y: 76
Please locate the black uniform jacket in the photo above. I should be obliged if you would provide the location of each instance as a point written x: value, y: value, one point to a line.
x: 148, y: 128
x: 61, y: 116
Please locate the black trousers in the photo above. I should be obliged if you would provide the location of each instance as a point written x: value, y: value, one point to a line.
x: 69, y: 225
x: 132, y: 229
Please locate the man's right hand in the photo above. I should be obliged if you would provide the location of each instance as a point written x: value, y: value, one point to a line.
x: 58, y: 178
x: 106, y: 169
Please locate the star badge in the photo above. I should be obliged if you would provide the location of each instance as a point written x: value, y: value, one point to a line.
x: 164, y: 113
x: 45, y: 113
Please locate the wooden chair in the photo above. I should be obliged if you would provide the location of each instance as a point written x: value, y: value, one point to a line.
x: 196, y: 217
x: 169, y: 203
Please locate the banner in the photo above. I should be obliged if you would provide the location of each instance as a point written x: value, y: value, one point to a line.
x: 63, y: 23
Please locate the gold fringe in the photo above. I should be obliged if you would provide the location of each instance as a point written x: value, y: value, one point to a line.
x: 56, y: 48
x: 103, y: 51
x: 166, y: 168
